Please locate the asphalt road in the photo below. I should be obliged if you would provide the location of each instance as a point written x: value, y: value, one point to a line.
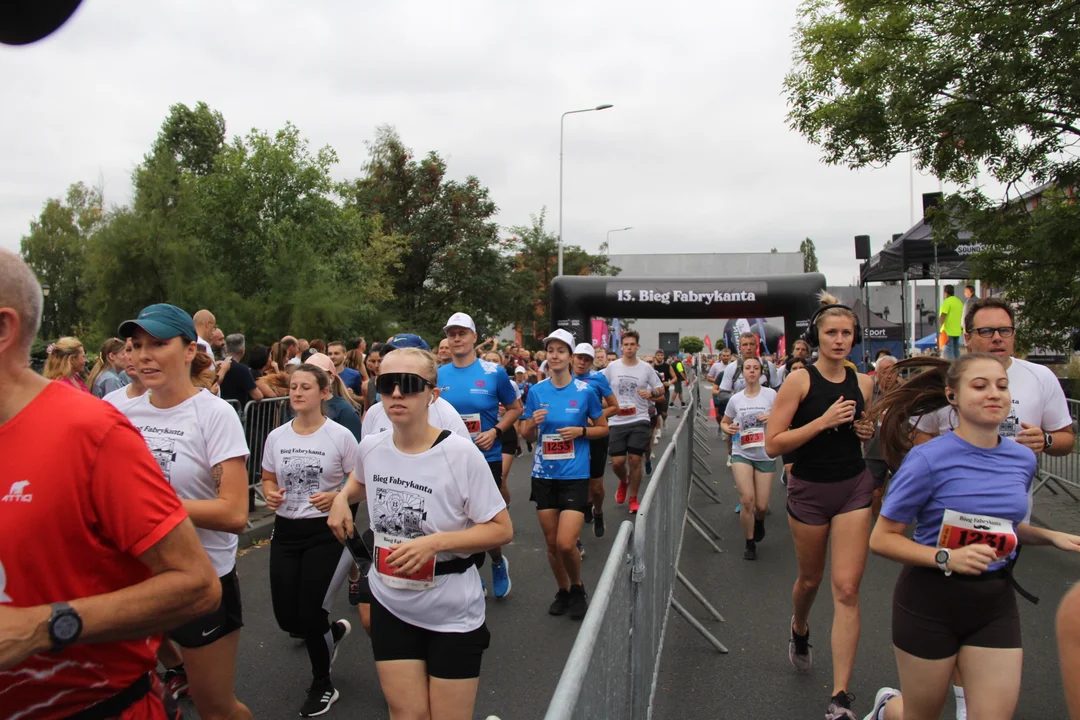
x: 520, y: 670
x: 756, y: 680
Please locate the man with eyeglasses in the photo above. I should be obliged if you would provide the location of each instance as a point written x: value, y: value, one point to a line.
x: 1040, y: 417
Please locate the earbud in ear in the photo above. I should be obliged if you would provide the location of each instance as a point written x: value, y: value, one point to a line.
x: 950, y: 396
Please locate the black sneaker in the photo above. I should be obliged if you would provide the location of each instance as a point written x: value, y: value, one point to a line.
x: 354, y: 591
x: 339, y: 630
x: 840, y: 707
x: 320, y: 696
x: 648, y: 466
x: 750, y: 553
x: 579, y: 602
x: 759, y: 530
x: 561, y: 604
x: 598, y: 524
x: 588, y: 514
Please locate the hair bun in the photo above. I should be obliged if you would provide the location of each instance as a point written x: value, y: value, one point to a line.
x: 827, y: 298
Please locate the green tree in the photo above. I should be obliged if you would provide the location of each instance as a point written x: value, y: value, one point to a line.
x: 964, y: 87
x: 691, y: 344
x: 809, y: 256
x: 452, y: 257
x: 56, y: 250
x: 535, y: 253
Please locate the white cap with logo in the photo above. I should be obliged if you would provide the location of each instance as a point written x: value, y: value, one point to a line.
x: 460, y: 320
x: 585, y: 349
x: 562, y: 336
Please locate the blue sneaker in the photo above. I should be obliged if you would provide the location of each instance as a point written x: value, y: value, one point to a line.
x: 500, y: 578
x: 738, y: 508
x: 483, y: 586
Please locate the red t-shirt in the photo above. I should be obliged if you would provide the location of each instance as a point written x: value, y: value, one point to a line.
x: 81, y: 497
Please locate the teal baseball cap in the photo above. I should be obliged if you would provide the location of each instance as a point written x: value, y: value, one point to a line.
x: 163, y: 321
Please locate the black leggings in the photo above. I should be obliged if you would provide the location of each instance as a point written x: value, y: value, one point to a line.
x: 303, y: 557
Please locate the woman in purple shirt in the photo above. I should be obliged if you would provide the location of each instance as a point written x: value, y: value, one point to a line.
x: 967, y: 493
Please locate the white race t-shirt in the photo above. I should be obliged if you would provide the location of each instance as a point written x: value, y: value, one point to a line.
x: 187, y: 441
x: 444, y: 489
x: 308, y: 464
x: 119, y: 398
x: 205, y: 347
x: 744, y: 412
x: 441, y: 414
x: 731, y: 384
x: 716, y: 369
x: 625, y: 381
x: 1037, y: 399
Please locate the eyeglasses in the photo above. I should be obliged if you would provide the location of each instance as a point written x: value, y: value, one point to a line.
x: 409, y: 383
x: 988, y: 332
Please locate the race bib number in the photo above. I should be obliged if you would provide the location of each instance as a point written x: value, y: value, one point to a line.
x: 472, y: 424
x: 555, y: 448
x: 422, y: 579
x: 752, y: 438
x: 627, y: 411
x: 962, y: 529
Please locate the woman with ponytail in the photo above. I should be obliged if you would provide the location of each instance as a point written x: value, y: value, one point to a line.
x: 108, y: 372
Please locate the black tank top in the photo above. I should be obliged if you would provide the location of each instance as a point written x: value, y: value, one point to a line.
x: 835, y: 454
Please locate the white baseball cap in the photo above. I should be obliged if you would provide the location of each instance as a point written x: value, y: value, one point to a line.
x: 585, y: 349
x: 460, y: 320
x: 520, y: 369
x: 562, y: 336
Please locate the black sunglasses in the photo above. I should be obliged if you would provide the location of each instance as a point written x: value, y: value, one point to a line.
x: 988, y: 332
x: 410, y: 383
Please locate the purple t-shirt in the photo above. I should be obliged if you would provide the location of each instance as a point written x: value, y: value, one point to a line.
x: 951, y: 473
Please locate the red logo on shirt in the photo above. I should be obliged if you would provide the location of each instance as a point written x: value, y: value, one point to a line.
x: 573, y: 403
x: 480, y: 383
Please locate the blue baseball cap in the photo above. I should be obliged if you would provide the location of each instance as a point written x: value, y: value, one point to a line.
x: 408, y: 340
x: 163, y: 321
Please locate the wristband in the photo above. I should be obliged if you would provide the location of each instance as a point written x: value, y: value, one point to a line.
x: 498, y: 432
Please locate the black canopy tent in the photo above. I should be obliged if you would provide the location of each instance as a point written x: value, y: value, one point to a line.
x: 915, y: 256
x: 877, y: 334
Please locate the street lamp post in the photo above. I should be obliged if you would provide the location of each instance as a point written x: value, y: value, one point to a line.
x: 45, y: 308
x: 561, y: 124
x: 607, y: 240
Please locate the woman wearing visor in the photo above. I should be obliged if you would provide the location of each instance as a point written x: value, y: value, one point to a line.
x: 558, y: 414
x: 434, y: 511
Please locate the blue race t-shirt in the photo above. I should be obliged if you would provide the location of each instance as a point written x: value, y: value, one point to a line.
x: 599, y: 384
x: 352, y: 379
x: 949, y: 473
x: 475, y: 392
x: 571, y: 406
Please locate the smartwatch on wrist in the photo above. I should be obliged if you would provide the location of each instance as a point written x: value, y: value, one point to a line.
x: 498, y: 432
x: 65, y: 626
x: 942, y: 560
x: 1048, y: 439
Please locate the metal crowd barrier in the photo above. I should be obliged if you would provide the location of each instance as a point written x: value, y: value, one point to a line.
x: 260, y: 418
x: 1061, y: 472
x: 622, y: 637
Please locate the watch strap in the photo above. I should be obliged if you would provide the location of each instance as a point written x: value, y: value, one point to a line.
x: 1048, y: 439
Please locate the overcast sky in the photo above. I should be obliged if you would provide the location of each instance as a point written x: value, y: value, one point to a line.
x: 695, y: 156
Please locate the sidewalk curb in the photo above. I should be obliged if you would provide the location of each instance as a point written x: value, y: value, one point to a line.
x: 259, y: 530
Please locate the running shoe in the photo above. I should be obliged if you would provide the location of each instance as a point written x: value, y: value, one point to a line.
x: 517, y: 452
x: 579, y: 602
x: 561, y: 604
x: 483, y: 586
x: 581, y: 549
x: 750, y: 553
x: 648, y: 465
x: 500, y: 578
x: 729, y: 461
x: 634, y: 506
x: 884, y: 695
x: 620, y: 494
x: 738, y: 508
x: 588, y: 514
x: 840, y: 707
x: 354, y: 592
x: 799, y: 650
x: 598, y: 524
x: 175, y: 682
x: 339, y: 630
x: 759, y: 529
x: 320, y: 696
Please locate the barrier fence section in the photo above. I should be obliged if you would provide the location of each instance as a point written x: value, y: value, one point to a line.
x: 615, y: 650
x: 1061, y: 472
x: 260, y: 418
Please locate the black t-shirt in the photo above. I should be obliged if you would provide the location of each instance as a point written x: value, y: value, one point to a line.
x: 665, y: 372
x: 237, y: 383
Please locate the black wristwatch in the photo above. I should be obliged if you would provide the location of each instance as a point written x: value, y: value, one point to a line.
x: 65, y: 626
x: 498, y: 432
x: 1048, y: 439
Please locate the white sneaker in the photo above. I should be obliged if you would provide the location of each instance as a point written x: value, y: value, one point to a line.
x: 729, y: 461
x: 883, y: 696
